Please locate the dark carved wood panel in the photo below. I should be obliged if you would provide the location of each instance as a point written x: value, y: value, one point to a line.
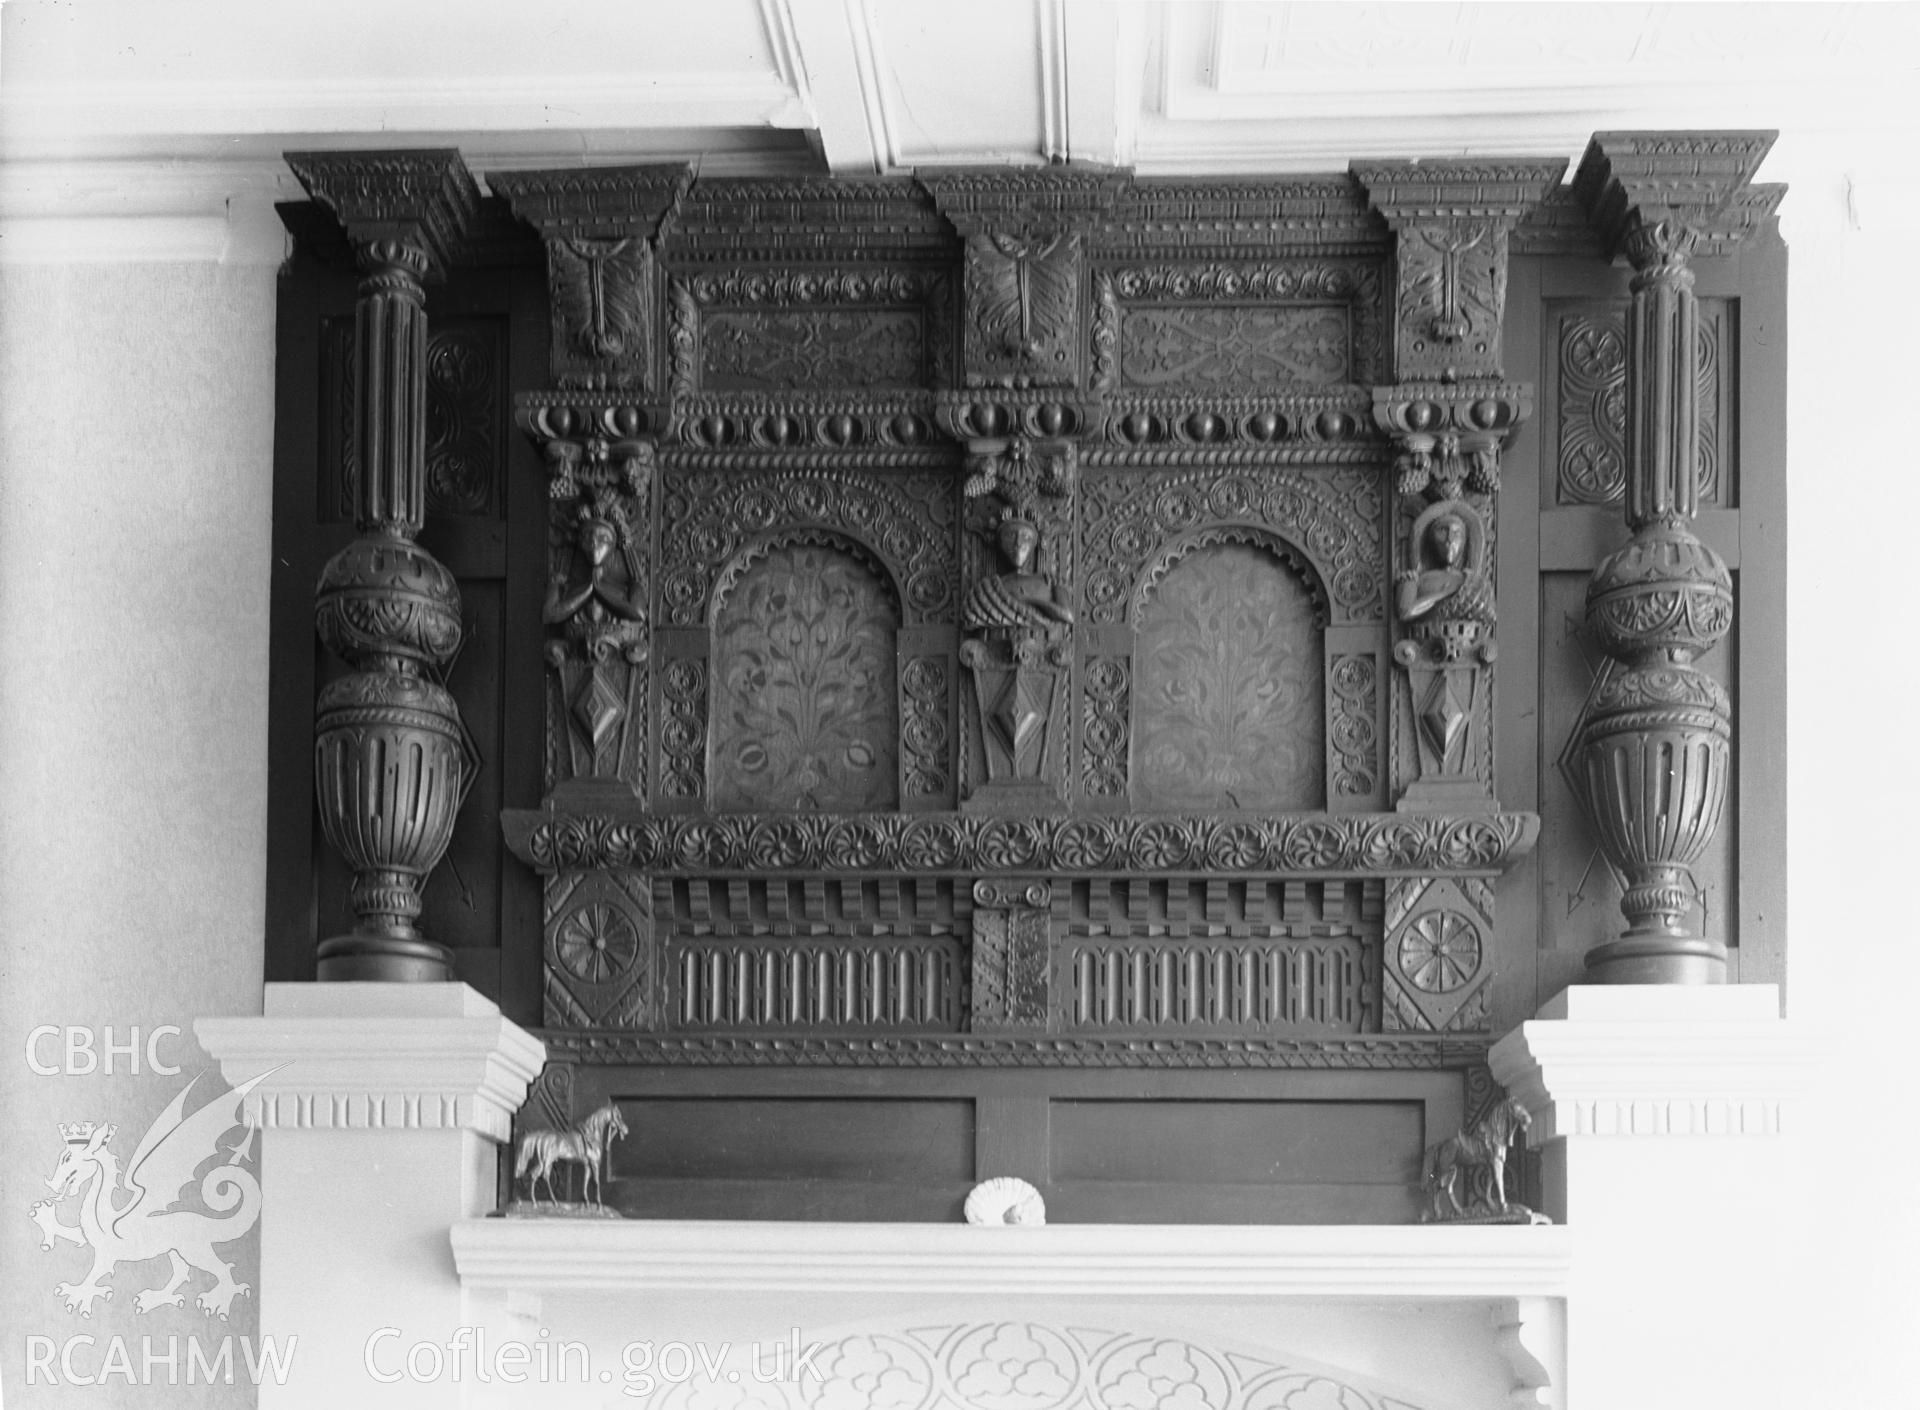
x: 1227, y: 699
x: 804, y: 709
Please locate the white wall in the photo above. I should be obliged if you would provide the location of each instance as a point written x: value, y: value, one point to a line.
x: 136, y: 455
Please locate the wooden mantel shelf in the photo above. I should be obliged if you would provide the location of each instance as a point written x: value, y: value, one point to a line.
x: 1079, y: 1260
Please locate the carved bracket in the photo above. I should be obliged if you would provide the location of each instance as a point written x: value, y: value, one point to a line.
x: 600, y: 226
x: 1024, y: 269
x: 1012, y: 955
x: 1450, y: 221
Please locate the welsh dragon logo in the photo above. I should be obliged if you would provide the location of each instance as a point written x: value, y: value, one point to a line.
x: 129, y: 1217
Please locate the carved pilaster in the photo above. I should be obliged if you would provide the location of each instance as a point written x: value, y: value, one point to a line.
x: 1011, y: 988
x: 600, y: 226
x: 1025, y: 269
x: 392, y: 759
x: 1449, y: 414
x: 598, y: 604
x: 1019, y: 607
x: 1652, y: 750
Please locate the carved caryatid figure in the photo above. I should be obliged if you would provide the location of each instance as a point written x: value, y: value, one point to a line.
x: 1447, y: 597
x: 594, y: 601
x: 1019, y: 600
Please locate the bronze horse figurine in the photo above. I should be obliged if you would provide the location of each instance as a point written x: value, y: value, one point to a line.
x: 584, y: 1145
x: 1465, y: 1176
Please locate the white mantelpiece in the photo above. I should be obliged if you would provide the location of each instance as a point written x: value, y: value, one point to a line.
x: 381, y: 1113
x: 1658, y: 1112
x: 1069, y: 1260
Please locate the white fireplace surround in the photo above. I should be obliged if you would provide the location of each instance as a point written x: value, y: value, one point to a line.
x: 1641, y: 1098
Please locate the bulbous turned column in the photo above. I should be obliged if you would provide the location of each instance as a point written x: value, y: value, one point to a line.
x: 391, y: 763
x: 1652, y: 752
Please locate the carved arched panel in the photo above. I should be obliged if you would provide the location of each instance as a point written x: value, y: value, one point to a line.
x: 804, y: 712
x: 1228, y: 705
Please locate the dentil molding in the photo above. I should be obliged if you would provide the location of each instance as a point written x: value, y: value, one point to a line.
x: 378, y: 1057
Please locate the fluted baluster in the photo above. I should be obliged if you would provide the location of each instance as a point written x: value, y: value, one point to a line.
x: 390, y: 757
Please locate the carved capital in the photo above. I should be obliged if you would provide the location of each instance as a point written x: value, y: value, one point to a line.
x: 600, y: 226
x: 1450, y: 222
x: 407, y: 208
x: 1450, y: 435
x: 1631, y: 183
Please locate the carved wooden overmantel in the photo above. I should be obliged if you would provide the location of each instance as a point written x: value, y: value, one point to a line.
x: 1028, y: 639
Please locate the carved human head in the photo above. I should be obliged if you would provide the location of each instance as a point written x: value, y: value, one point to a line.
x: 1447, y: 536
x: 1018, y: 540
x: 597, y: 538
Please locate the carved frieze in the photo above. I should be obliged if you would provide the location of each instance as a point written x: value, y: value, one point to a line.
x: 846, y: 328
x: 1316, y: 322
x: 1301, y: 844
x: 600, y: 225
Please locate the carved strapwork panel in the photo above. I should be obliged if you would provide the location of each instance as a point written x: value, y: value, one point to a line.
x: 1012, y: 956
x: 850, y: 329
x: 598, y: 606
x: 600, y: 226
x: 1024, y: 286
x: 602, y: 966
x: 1586, y: 395
x: 1237, y: 327
x: 1438, y: 954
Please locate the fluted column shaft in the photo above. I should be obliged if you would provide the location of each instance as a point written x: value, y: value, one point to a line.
x: 391, y: 759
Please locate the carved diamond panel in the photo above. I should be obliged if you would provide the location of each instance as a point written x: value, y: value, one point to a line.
x: 861, y: 348
x: 1234, y: 346
x: 599, y: 957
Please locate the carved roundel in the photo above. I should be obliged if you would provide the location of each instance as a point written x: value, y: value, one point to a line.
x: 1440, y: 951
x: 596, y: 943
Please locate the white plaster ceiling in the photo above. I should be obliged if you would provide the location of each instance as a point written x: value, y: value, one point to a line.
x: 92, y: 91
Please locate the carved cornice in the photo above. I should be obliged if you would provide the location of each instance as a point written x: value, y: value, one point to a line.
x: 425, y: 197
x: 1290, y: 844
x: 1003, y: 201
x: 1471, y: 189
x: 605, y: 203
x: 1630, y: 180
x: 1372, y: 1052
